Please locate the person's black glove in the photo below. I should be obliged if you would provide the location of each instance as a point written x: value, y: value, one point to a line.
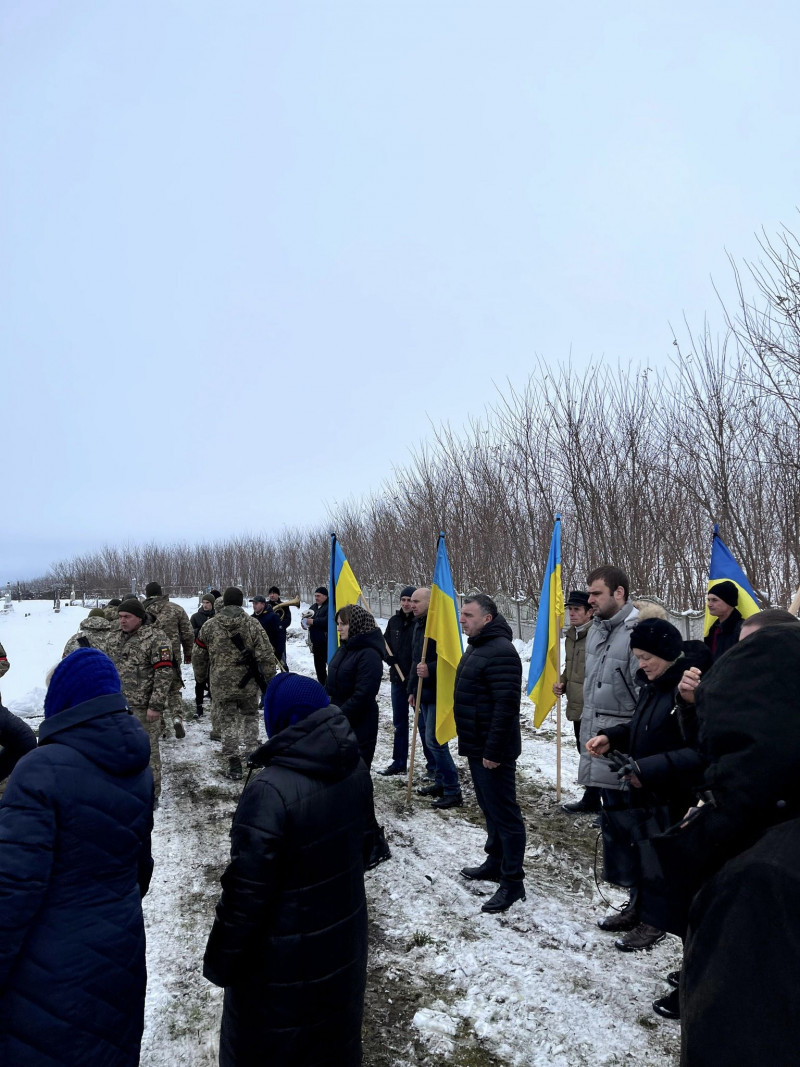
x: 625, y: 766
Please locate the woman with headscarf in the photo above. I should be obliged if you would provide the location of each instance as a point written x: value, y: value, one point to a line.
x: 289, y: 942
x: 355, y: 674
x: 75, y: 824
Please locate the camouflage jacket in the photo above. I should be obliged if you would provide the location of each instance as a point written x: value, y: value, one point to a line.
x: 215, y: 652
x: 94, y: 633
x: 173, y: 620
x: 144, y: 662
x: 111, y: 613
x: 4, y: 664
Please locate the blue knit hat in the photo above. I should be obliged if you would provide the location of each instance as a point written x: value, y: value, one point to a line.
x: 84, y: 674
x: 289, y: 699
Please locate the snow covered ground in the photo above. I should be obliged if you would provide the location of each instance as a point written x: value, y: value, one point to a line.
x: 447, y: 984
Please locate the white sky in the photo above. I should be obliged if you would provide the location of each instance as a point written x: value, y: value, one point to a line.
x: 249, y: 251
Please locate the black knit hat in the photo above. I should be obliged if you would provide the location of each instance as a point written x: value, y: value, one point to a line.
x: 408, y: 590
x: 208, y: 598
x: 726, y: 591
x: 115, y: 603
x: 152, y: 589
x: 577, y: 599
x: 274, y: 589
x: 132, y: 606
x: 657, y: 637
x: 321, y: 589
x: 216, y: 593
x: 233, y: 596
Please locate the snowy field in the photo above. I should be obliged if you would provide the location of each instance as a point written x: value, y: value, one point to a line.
x: 447, y: 984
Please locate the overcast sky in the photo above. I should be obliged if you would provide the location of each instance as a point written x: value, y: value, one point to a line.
x: 249, y: 251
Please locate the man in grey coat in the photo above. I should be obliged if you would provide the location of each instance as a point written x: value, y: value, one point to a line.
x: 609, y: 698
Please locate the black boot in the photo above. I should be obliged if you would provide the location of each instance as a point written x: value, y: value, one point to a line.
x: 234, y: 771
x: 506, y: 895
x: 489, y: 871
x: 199, y: 709
x: 380, y: 850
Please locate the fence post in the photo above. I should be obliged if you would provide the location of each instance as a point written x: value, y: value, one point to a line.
x: 519, y: 622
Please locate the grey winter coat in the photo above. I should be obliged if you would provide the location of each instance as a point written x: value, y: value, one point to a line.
x: 609, y: 689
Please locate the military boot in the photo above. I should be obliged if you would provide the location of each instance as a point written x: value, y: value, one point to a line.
x: 234, y: 771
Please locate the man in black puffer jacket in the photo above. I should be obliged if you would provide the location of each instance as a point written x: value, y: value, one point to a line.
x: 398, y: 636
x: 289, y: 943
x: 486, y: 705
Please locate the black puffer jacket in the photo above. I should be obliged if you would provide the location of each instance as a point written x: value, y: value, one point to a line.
x: 398, y: 633
x: 289, y: 941
x: 16, y: 738
x: 417, y: 643
x: 664, y: 744
x: 354, y: 678
x: 487, y: 695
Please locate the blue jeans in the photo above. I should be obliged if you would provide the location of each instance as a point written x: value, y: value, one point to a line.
x: 445, y: 772
x: 400, y: 713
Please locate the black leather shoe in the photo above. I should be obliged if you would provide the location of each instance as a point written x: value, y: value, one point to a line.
x: 234, y: 771
x: 617, y: 921
x: 674, y: 978
x: 505, y: 896
x: 668, y: 1007
x: 580, y: 807
x: 489, y: 871
x: 455, y: 800
x: 640, y: 937
x: 393, y: 768
x: 431, y: 791
x: 380, y: 851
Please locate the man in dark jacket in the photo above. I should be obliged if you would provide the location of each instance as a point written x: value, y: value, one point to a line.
x: 262, y: 610
x: 722, y: 599
x: 445, y: 789
x: 289, y: 942
x: 742, y: 847
x: 75, y: 825
x: 571, y: 684
x: 284, y: 617
x: 486, y: 705
x: 398, y: 634
x: 203, y: 614
x: 316, y: 621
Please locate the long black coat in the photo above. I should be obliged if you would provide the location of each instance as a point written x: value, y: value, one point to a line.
x: 199, y: 618
x: 75, y: 824
x: 664, y: 744
x: 354, y: 678
x: 289, y: 942
x: 398, y: 633
x: 16, y: 738
x: 431, y: 659
x: 487, y: 695
x: 739, y: 982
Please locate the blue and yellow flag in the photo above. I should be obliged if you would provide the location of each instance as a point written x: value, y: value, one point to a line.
x: 442, y: 627
x: 724, y: 568
x: 342, y: 589
x: 543, y: 672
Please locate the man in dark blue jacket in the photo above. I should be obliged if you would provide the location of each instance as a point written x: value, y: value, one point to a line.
x: 398, y: 635
x: 486, y: 706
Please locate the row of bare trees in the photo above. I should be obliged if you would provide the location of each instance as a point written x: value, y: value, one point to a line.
x: 640, y: 461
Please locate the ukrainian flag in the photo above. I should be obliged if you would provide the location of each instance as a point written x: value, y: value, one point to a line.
x: 342, y: 589
x: 724, y: 568
x: 442, y: 626
x: 544, y: 669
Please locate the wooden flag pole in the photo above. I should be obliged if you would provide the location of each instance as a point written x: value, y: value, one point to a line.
x: 416, y: 722
x: 794, y: 607
x: 396, y: 665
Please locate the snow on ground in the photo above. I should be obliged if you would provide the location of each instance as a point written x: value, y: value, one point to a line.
x: 447, y: 984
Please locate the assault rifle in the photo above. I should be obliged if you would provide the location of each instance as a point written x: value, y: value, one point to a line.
x: 254, y: 672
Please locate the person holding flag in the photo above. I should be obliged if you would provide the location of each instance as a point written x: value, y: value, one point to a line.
x: 486, y: 699
x: 730, y: 599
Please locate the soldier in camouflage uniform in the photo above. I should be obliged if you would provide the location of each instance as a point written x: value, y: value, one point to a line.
x: 215, y: 651
x: 111, y: 610
x: 142, y: 655
x: 173, y: 620
x: 95, y: 632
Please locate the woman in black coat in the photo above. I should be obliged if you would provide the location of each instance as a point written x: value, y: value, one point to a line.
x: 75, y: 826
x: 289, y: 942
x: 355, y: 674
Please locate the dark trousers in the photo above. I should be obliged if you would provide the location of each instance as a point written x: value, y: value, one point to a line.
x: 400, y: 712
x: 591, y: 794
x: 496, y: 791
x: 320, y: 653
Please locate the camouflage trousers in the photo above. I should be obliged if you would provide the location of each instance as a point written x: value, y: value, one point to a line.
x: 174, y: 708
x: 238, y: 726
x: 153, y: 730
